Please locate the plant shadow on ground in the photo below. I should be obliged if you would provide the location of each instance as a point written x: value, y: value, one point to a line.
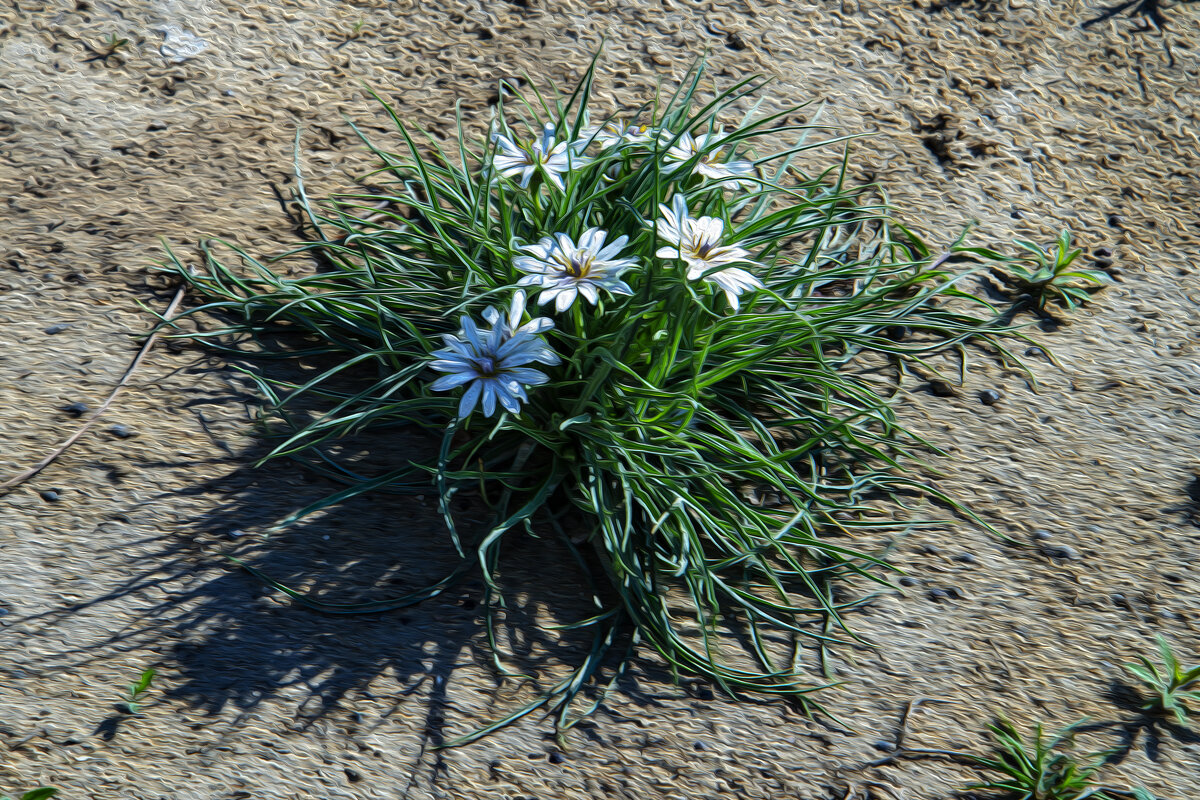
x: 229, y: 640
x: 1140, y: 721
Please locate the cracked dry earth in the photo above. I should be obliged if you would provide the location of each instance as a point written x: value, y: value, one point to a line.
x: 1007, y: 112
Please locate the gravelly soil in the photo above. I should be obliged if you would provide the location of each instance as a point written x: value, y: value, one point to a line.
x: 1004, y: 112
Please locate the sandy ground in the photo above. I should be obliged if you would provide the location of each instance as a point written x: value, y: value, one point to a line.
x: 1006, y: 112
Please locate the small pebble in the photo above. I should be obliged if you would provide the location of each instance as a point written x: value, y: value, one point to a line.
x: 352, y: 775
x: 908, y: 581
x: 76, y: 409
x: 938, y: 594
x: 1062, y: 551
x: 701, y: 745
x: 1102, y: 252
x: 989, y: 397
x: 53, y: 329
x: 966, y: 558
x: 50, y: 495
x: 556, y: 757
x: 897, y: 333
x: 121, y: 431
x: 1103, y: 263
x: 942, y: 389
x: 884, y: 747
x: 1115, y: 220
x: 1035, y: 352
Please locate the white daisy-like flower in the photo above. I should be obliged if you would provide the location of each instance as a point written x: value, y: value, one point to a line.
x: 697, y: 242
x: 711, y: 163
x: 547, y: 155
x: 491, y: 364
x: 616, y: 133
x: 566, y: 270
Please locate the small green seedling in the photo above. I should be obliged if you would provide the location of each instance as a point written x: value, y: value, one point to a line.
x: 1047, y: 274
x: 1172, y: 686
x: 1038, y: 770
x: 114, y: 44
x: 136, y: 690
x: 35, y: 794
x: 107, y: 49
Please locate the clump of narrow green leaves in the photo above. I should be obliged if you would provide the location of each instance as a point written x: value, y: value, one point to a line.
x: 131, y: 702
x: 1047, y: 275
x: 1040, y: 768
x: 35, y: 794
x: 695, y: 432
x: 1172, y: 687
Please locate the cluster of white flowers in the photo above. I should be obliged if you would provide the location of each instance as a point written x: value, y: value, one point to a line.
x: 492, y: 365
x: 553, y: 157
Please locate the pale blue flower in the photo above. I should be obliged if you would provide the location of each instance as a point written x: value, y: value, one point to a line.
x: 492, y: 363
x: 564, y: 270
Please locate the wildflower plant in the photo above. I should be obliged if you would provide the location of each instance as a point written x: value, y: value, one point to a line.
x: 1171, y: 687
x: 1041, y: 768
x: 637, y: 334
x: 1047, y: 274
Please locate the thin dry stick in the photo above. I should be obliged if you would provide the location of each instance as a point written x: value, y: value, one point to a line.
x: 17, y: 480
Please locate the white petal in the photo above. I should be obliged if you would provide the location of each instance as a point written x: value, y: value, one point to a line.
x: 565, y: 298
x: 553, y: 178
x: 613, y: 249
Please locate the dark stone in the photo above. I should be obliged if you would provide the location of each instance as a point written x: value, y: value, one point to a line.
x: 897, y: 333
x: 938, y: 594
x: 1061, y: 551
x: 989, y: 397
x: 1035, y: 352
x: 59, y: 328
x: 352, y: 775
x: 884, y: 747
x: 556, y: 757
x: 908, y: 581
x: 50, y: 495
x: 1103, y: 263
x: 942, y: 389
x: 1102, y: 252
x: 76, y: 409
x: 120, y: 431
x: 966, y: 558
x: 1115, y: 220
